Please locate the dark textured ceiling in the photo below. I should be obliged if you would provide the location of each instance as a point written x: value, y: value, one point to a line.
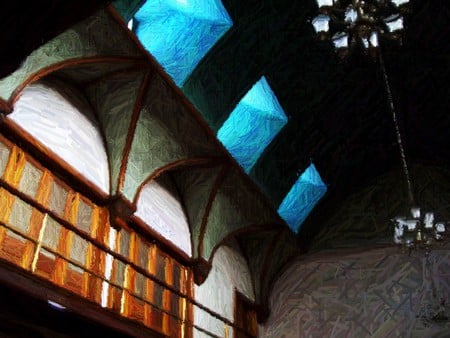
x: 337, y: 109
x: 25, y: 26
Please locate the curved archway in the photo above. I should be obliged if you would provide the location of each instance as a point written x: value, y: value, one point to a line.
x: 229, y: 273
x: 66, y: 127
x: 159, y: 206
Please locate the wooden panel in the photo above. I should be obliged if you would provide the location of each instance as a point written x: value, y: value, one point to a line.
x: 176, y: 276
x: 20, y: 216
x: 6, y: 201
x: 124, y: 243
x: 4, y: 155
x: 45, y: 265
x: 37, y: 219
x: 74, y: 280
x: 130, y: 291
x: 156, y: 319
x: 161, y: 261
x: 78, y: 249
x: 58, y: 196
x: 140, y: 285
x: 137, y: 309
x: 245, y: 318
x: 29, y: 182
x: 97, y: 261
x: 84, y: 216
x: 115, y: 298
x: 14, y: 249
x: 52, y: 234
x: 143, y: 254
x: 44, y: 190
x: 174, y: 327
x: 94, y: 289
x: 118, y: 274
x: 174, y: 304
x: 100, y: 224
x: 14, y: 168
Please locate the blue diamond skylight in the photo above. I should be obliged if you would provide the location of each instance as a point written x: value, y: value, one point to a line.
x: 253, y: 124
x: 178, y: 33
x: 302, y: 198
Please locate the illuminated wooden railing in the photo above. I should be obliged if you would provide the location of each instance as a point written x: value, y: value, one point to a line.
x: 55, y: 233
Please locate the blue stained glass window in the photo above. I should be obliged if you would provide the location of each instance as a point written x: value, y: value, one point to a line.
x: 253, y: 124
x: 178, y: 33
x: 302, y: 198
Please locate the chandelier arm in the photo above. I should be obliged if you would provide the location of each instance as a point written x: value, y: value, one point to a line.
x: 397, y: 129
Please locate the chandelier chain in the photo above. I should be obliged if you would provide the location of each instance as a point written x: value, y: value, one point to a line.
x: 397, y: 129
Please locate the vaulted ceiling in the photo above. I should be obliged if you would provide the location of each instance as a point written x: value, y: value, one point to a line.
x: 337, y: 109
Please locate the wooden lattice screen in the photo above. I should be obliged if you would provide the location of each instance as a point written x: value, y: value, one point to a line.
x: 55, y: 233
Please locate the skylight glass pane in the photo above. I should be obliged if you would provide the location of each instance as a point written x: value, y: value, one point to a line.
x: 180, y: 32
x: 301, y: 199
x: 253, y: 124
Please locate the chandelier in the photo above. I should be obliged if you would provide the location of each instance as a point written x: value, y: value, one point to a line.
x: 358, y: 22
x: 363, y: 24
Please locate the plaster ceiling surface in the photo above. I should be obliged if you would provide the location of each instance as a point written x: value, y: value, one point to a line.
x: 337, y: 109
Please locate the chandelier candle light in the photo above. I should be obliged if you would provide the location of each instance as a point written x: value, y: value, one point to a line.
x: 352, y: 23
x: 357, y: 22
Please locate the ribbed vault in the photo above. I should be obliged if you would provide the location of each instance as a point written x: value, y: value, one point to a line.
x: 151, y: 130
